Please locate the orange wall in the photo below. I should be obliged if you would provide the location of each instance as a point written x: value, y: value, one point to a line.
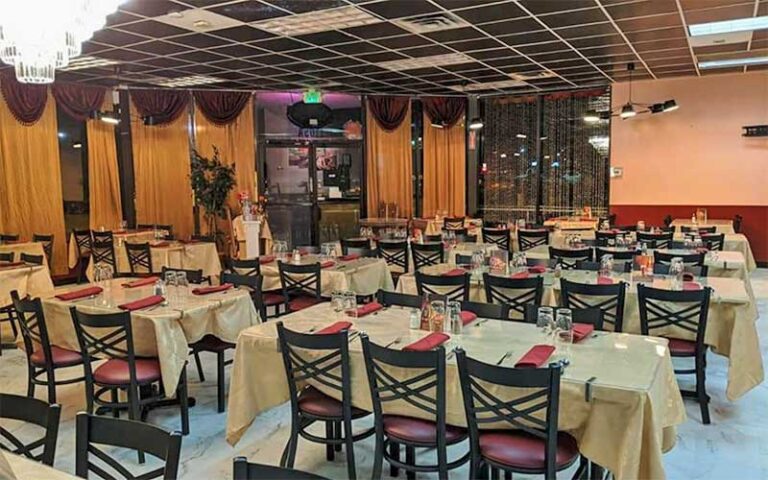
x: 696, y: 154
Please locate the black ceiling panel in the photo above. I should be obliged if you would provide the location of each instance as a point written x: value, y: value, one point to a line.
x: 249, y: 11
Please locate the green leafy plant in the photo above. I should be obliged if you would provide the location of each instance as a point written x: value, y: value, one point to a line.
x: 211, y: 182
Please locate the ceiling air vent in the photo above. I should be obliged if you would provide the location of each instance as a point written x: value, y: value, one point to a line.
x: 433, y: 22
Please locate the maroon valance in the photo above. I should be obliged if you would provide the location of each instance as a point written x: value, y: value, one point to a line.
x: 221, y: 107
x: 389, y: 112
x: 26, y: 102
x: 445, y: 111
x: 78, y: 101
x: 163, y: 106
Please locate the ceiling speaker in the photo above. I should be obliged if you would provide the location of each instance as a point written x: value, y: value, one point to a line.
x: 310, y: 115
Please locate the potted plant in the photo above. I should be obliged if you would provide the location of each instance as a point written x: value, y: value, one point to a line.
x: 211, y: 182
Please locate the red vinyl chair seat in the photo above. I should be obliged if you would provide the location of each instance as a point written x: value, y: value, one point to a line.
x: 518, y: 449
x: 416, y: 430
x: 315, y: 402
x: 116, y: 372
x: 271, y: 299
x: 682, y: 348
x: 300, y: 303
x: 61, y: 357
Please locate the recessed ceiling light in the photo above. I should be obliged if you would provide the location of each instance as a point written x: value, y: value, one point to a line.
x: 198, y: 20
x: 79, y: 63
x: 425, y: 62
x: 317, y: 21
x: 190, y: 81
x: 432, y: 22
x: 733, y: 62
x: 728, y: 26
x: 491, y: 85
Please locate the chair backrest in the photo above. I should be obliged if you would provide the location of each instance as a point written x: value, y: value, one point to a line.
x: 696, y: 271
x: 601, y: 238
x: 83, y: 240
x: 699, y: 230
x: 528, y: 239
x: 203, y: 238
x: 487, y: 310
x: 254, y: 285
x: 433, y: 238
x: 7, y: 256
x: 591, y: 316
x: 387, y: 299
x: 619, y: 267
x: 467, y: 238
x: 32, y: 259
x: 516, y: 293
x: 139, y: 257
x: 457, y: 232
x: 193, y: 276
x: 714, y: 241
x: 145, y: 226
x: 534, y: 411
x: 608, y: 298
x: 454, y: 287
x: 250, y: 266
x: 299, y: 279
x: 394, y: 252
x: 104, y: 252
x: 34, y: 411
x: 102, y: 236
x: 544, y: 262
x: 567, y: 258
x: 106, y: 335
x: 497, y: 236
x: 357, y: 243
x: 453, y: 223
x: 243, y: 470
x: 92, y: 430
x: 47, y: 241
x: 426, y: 254
x: 674, y: 313
x: 691, y: 259
x: 34, y: 330
x: 621, y: 255
x: 661, y: 240
x: 9, y: 237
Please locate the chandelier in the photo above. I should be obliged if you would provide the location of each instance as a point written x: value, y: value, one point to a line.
x: 39, y: 36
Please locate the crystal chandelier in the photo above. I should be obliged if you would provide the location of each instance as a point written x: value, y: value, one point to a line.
x: 39, y: 36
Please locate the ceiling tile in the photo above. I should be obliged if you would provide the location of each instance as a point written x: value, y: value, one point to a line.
x: 400, y: 8
x: 641, y: 9
x: 116, y: 38
x: 549, y: 6
x: 576, y: 17
x: 302, y: 6
x: 150, y: 8
x: 473, y: 45
x: 242, y: 33
x: 492, y: 13
x: 199, y: 40
x: 649, y: 23
x: 280, y: 44
x: 326, y: 38
x: 719, y: 14
x: 376, y: 30
x: 159, y: 47
x: 455, y: 34
x: 404, y: 41
x: 249, y: 11
x: 153, y: 29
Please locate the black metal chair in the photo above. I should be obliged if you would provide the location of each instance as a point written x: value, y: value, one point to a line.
x: 34, y: 411
x: 602, y: 238
x: 358, y: 244
x: 301, y: 285
x: 83, y: 241
x: 487, y: 310
x: 533, y: 444
x: 8, y: 237
x: 47, y: 241
x: 714, y: 241
x: 689, y: 260
x: 453, y: 223
x: 42, y: 357
x: 457, y: 232
x: 454, y: 287
x: 395, y: 253
x: 700, y: 230
x: 32, y: 259
x: 591, y: 316
x: 7, y: 256
x: 663, y: 269
x: 139, y: 258
x: 104, y: 252
x: 243, y: 470
x: 203, y: 238
x: 497, y: 236
x: 388, y: 299
x: 110, y: 336
x: 421, y: 383
x: 433, y: 238
x: 516, y: 293
x: 426, y: 254
x: 608, y: 298
x: 251, y: 267
x: 541, y: 262
x: 675, y: 315
x: 102, y: 236
x: 193, y: 276
x: 619, y: 267
x: 567, y: 258
x: 660, y: 240
x: 618, y: 255
x: 329, y: 367
x: 528, y: 239
x: 113, y: 432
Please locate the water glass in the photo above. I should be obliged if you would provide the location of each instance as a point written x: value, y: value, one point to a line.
x: 350, y: 304
x: 564, y: 328
x: 337, y: 303
x: 606, y: 265
x: 182, y: 283
x: 545, y: 320
x: 676, y: 270
x: 454, y: 324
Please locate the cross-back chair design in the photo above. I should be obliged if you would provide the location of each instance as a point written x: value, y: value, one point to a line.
x: 459, y: 233
x: 661, y: 240
x: 421, y: 384
x: 244, y: 470
x: 301, y: 285
x: 714, y: 241
x: 104, y: 252
x: 497, y: 236
x: 426, y: 254
x: 47, y: 241
x: 252, y: 267
x: 608, y: 298
x: 433, y: 238
x: 618, y: 267
x: 7, y: 256
x: 454, y: 287
x: 487, y: 310
x: 358, y: 244
x: 664, y: 259
x: 533, y: 445
x: 680, y: 316
x: 591, y: 316
x: 83, y: 240
x: 516, y: 293
x: 602, y: 238
x: 103, y: 236
x: 139, y: 257
x: 567, y: 258
x: 699, y: 230
x: 31, y: 259
x: 453, y: 223
x: 395, y: 253
x: 388, y: 299
x: 323, y: 360
x: 9, y: 237
x: 528, y: 239
x: 43, y: 359
x: 34, y: 411
x: 193, y: 276
x: 618, y: 255
x: 92, y: 431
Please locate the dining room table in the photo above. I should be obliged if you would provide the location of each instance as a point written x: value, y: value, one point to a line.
x: 137, y: 235
x: 721, y: 225
x: 18, y: 467
x: 618, y: 394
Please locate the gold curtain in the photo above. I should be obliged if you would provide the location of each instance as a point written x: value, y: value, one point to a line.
x: 235, y: 142
x: 389, y: 166
x: 103, y: 175
x: 161, y: 167
x: 445, y: 163
x: 30, y: 180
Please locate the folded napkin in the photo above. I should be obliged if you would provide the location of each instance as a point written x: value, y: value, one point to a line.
x: 141, y: 282
x: 82, y: 293
x: 161, y: 244
x: 535, y: 357
x: 582, y: 331
x: 467, y: 317
x: 212, y: 289
x: 266, y: 259
x: 142, y: 303
x: 433, y: 340
x: 334, y: 328
x: 604, y: 280
x: 349, y: 256
x: 455, y: 272
x: 537, y: 269
x: 691, y: 286
x: 519, y: 275
x: 327, y: 263
x: 369, y: 308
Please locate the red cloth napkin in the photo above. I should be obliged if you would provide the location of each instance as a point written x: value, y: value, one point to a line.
x: 161, y: 244
x: 266, y: 259
x: 328, y: 263
x: 141, y: 282
x: 467, y: 317
x: 582, y: 331
x: 142, y: 303
x: 433, y: 340
x: 456, y: 272
x: 604, y: 281
x: 212, y: 289
x: 334, y: 328
x: 368, y: 308
x: 349, y: 256
x: 83, y: 292
x: 520, y: 275
x: 537, y: 269
x: 691, y: 286
x: 535, y: 357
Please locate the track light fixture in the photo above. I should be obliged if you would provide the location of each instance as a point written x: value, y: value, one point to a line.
x: 475, y: 124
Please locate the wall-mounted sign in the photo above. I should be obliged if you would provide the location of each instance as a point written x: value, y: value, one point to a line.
x: 755, y: 131
x: 617, y: 172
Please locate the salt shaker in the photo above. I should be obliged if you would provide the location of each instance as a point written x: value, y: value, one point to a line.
x: 415, y: 319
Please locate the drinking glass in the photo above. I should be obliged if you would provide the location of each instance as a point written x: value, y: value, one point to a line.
x: 606, y: 265
x: 676, y: 270
x: 171, y: 283
x: 437, y: 316
x: 350, y: 304
x: 564, y: 326
x: 545, y: 320
x: 182, y: 283
x: 337, y: 303
x: 454, y: 324
x: 478, y: 259
x: 499, y: 261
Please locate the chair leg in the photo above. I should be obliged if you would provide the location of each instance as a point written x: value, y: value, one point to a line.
x: 329, y: 434
x: 701, y: 388
x: 183, y: 397
x: 378, y: 456
x: 394, y: 453
x: 30, y: 384
x: 199, y: 365
x: 350, y: 447
x: 337, y: 429
x: 50, y: 378
x: 410, y: 459
x: 289, y: 454
x: 134, y: 412
x: 220, y: 381
x: 114, y: 399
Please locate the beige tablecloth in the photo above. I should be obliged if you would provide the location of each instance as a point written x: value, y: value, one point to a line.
x: 130, y: 236
x: 16, y: 467
x: 163, y: 332
x: 364, y: 276
x: 30, y: 248
x: 27, y: 280
x: 723, y: 226
x: 569, y: 223
x: 731, y: 329
x: 192, y: 256
x: 473, y: 225
x: 626, y: 427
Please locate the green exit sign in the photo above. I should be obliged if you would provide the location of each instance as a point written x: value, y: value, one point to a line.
x: 313, y: 96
